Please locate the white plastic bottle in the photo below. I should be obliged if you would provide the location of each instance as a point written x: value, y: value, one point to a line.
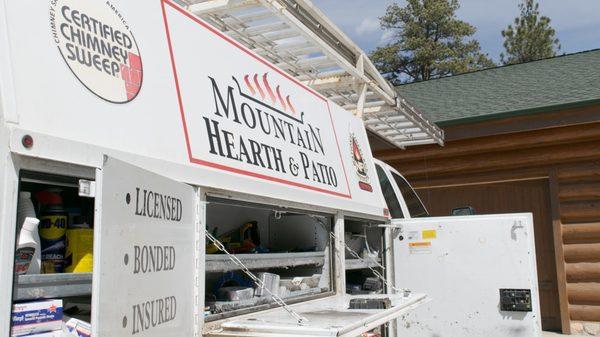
x: 25, y: 209
x: 27, y: 256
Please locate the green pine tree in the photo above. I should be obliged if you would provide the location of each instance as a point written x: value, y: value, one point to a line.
x: 530, y: 38
x: 429, y: 42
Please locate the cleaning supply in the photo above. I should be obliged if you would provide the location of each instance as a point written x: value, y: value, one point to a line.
x: 74, y: 327
x: 25, y: 209
x: 53, y: 227
x: 245, y: 239
x: 270, y: 282
x: 211, y: 248
x: 235, y: 293
x: 79, y: 256
x: 36, y: 317
x: 27, y: 255
x: 372, y: 284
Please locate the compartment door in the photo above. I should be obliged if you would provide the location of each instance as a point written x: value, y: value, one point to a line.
x: 145, y: 254
x: 479, y: 272
x: 327, y: 317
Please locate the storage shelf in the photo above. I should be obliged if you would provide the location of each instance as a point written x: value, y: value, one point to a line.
x: 221, y: 263
x: 225, y: 306
x: 31, y: 287
x: 354, y: 264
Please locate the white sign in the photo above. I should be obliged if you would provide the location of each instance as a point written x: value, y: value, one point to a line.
x: 210, y: 112
x: 249, y: 117
x: 144, y: 255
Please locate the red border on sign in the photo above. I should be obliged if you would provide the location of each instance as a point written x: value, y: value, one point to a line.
x: 260, y: 59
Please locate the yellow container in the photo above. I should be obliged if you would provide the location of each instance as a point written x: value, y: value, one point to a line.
x: 80, y: 249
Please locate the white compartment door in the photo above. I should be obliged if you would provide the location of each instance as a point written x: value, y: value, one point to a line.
x: 145, y: 254
x: 469, y: 266
x: 326, y: 317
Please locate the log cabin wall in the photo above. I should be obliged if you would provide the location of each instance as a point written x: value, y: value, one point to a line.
x: 560, y: 149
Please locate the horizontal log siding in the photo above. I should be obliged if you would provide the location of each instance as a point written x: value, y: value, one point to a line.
x: 572, y: 152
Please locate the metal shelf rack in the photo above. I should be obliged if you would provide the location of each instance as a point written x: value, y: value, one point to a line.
x: 221, y: 263
x: 297, y: 37
x: 31, y: 287
x: 355, y: 264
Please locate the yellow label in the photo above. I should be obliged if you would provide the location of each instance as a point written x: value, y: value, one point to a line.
x: 53, y: 227
x: 429, y: 234
x: 80, y: 248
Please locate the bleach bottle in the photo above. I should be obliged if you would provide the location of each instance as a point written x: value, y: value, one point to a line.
x: 27, y: 255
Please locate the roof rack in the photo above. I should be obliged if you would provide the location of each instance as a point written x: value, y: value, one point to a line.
x: 296, y: 36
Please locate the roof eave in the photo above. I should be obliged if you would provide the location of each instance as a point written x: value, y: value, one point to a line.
x: 516, y: 113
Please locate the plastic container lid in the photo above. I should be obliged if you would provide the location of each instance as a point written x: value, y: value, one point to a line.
x: 48, y: 198
x: 30, y: 224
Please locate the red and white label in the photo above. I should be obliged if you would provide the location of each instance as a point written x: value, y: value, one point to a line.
x: 94, y: 39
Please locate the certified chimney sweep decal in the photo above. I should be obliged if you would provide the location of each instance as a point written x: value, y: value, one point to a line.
x: 362, y: 172
x: 95, y: 41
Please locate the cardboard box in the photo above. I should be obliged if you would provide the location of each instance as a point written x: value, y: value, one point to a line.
x: 36, y: 317
x: 48, y: 334
x: 76, y: 327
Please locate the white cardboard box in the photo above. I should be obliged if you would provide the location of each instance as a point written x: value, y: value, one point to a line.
x: 36, y: 317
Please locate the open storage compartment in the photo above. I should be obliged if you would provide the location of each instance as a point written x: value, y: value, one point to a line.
x: 365, y: 263
x: 364, y: 254
x: 53, y: 258
x: 289, y: 250
x: 297, y: 245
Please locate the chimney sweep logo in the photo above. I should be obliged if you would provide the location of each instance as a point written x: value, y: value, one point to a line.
x: 95, y: 41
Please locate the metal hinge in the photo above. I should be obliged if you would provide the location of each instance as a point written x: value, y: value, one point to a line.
x: 198, y: 222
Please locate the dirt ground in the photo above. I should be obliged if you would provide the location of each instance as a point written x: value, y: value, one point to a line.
x: 555, y: 334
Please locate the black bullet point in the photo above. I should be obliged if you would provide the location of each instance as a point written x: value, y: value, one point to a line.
x: 126, y: 259
x: 128, y: 198
x: 124, y: 321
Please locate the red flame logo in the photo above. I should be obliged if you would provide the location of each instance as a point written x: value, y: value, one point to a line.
x: 255, y: 87
x: 356, y: 151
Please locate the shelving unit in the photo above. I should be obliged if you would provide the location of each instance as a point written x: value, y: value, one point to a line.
x: 299, y: 245
x: 79, y: 210
x: 221, y: 263
x: 32, y: 287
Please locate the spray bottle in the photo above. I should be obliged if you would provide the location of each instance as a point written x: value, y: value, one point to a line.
x: 27, y: 255
x: 53, y: 227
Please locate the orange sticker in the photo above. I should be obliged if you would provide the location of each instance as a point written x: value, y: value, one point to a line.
x: 421, y: 247
x: 420, y: 244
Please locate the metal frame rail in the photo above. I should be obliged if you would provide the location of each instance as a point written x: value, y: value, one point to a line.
x: 296, y: 36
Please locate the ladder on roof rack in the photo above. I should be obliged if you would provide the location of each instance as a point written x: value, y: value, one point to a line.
x: 297, y: 37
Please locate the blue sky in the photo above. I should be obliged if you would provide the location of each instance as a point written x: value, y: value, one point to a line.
x: 577, y: 22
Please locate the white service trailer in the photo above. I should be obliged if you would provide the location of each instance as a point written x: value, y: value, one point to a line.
x: 155, y: 130
x: 150, y: 126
